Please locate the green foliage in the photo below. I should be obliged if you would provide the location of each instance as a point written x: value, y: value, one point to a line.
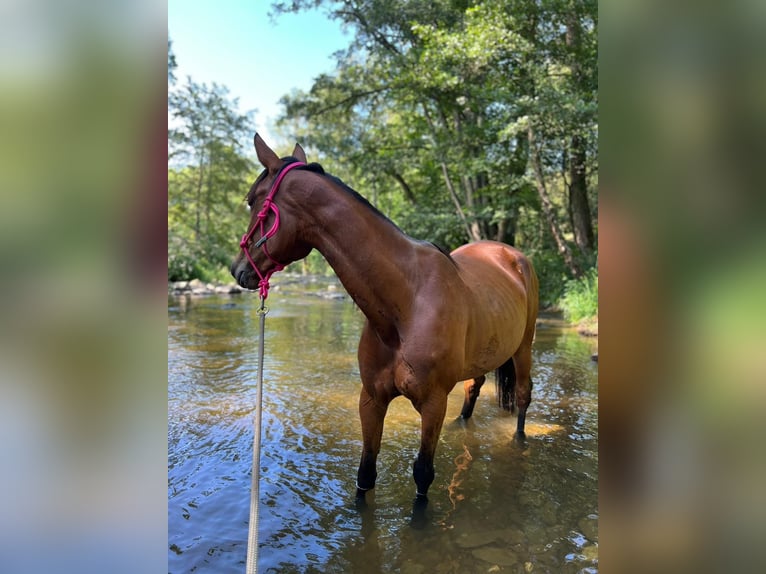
x: 314, y: 264
x: 551, y: 275
x: 439, y: 227
x: 207, y: 181
x: 183, y: 266
x: 430, y: 115
x: 580, y: 300
x: 220, y: 274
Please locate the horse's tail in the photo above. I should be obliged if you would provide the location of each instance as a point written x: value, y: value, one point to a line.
x: 505, y: 379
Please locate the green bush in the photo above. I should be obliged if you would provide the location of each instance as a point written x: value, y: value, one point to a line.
x: 551, y: 275
x: 183, y: 267
x: 580, y: 299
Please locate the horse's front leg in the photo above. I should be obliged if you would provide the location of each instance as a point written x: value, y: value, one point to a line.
x: 372, y: 412
x: 432, y: 413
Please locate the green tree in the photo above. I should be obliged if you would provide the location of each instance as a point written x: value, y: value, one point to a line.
x: 465, y: 120
x: 558, y: 114
x: 207, y: 179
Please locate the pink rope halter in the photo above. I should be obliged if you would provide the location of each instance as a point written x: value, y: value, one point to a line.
x: 260, y: 221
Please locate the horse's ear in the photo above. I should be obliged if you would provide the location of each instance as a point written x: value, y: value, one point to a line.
x: 266, y: 155
x: 299, y: 154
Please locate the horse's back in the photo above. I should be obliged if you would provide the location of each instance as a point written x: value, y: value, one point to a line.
x: 487, y: 260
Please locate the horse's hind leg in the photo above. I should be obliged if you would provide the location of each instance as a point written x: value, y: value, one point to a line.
x: 472, y: 388
x: 523, y: 365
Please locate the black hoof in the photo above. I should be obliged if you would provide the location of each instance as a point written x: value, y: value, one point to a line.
x: 362, y: 500
x: 461, y: 422
x: 361, y: 492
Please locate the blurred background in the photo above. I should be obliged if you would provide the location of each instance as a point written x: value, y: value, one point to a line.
x: 83, y: 275
x: 682, y: 261
x: 82, y: 300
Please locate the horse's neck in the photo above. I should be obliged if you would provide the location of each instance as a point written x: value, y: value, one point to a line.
x: 371, y: 257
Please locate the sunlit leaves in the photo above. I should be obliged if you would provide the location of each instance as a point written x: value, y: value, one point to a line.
x: 208, y: 176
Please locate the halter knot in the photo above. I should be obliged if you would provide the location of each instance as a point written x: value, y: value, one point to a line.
x: 263, y: 288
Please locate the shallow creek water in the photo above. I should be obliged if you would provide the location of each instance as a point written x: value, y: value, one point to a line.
x: 495, y: 506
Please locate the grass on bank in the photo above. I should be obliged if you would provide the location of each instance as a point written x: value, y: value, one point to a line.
x: 579, y: 303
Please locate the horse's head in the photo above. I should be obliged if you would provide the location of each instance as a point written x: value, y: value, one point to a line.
x: 273, y: 239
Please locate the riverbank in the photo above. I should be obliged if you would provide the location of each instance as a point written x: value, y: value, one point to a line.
x: 314, y: 285
x: 197, y: 287
x: 588, y: 327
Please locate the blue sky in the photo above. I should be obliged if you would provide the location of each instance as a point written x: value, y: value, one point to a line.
x: 236, y: 44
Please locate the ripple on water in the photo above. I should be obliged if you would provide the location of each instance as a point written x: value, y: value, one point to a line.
x: 495, y: 505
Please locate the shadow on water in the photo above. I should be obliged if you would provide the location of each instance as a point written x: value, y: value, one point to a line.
x: 496, y: 504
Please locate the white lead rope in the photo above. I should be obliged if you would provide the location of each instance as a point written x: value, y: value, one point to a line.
x: 252, y: 535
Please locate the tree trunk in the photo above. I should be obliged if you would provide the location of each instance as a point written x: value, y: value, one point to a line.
x: 405, y: 188
x: 547, y: 205
x: 579, y: 208
x: 470, y: 192
x: 506, y: 230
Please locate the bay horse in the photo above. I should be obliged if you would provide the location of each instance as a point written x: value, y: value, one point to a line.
x: 432, y: 319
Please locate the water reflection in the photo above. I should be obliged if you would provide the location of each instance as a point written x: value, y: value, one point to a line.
x: 495, y: 504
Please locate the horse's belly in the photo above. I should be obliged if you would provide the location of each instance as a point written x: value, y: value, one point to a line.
x: 490, y: 354
x: 493, y: 338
